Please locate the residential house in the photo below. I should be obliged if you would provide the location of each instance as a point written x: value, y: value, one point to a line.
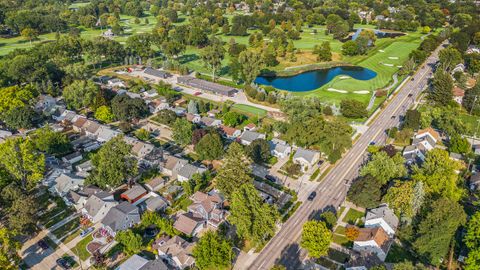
x: 206, y: 210
x: 458, y: 94
x: 424, y: 141
x: 83, y: 169
x: 156, y: 183
x: 213, y: 113
x: 158, y: 74
x: 306, y: 158
x: 65, y: 116
x: 156, y: 203
x: 141, y: 149
x: 250, y: 127
x: 45, y: 104
x: 105, y: 134
x: 134, y: 194
x: 79, y: 123
x: 248, y: 137
x: 139, y: 263
x: 79, y: 197
x: 472, y: 49
x: 5, y: 134
x: 116, y: 83
x: 170, y: 165
x: 194, y: 118
x: 73, y: 157
x: 384, y: 217
x: 179, y: 102
x: 120, y: 217
x: 207, y: 86
x: 230, y: 132
x: 210, y: 122
x: 187, y: 171
x: 474, y: 182
x: 176, y: 250
x: 91, y: 128
x: 279, y: 148
x: 98, y: 205
x: 179, y: 111
x: 372, y: 241
x: 150, y: 93
x: 63, y: 184
x: 476, y: 149
x: 157, y: 105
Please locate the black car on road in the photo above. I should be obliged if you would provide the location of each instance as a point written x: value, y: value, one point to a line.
x: 312, y: 196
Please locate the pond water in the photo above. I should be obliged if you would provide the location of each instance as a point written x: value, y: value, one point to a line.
x: 314, y: 79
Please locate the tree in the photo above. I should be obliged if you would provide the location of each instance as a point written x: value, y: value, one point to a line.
x: 353, y: 109
x: 29, y: 34
x: 365, y: 192
x: 19, y: 117
x: 251, y: 63
x: 126, y: 108
x: 258, y: 151
x: 20, y: 159
x: 182, y: 131
x: 142, y: 134
x: 316, y: 238
x: 212, y: 55
x: 164, y: 224
x: 407, y: 265
x: 471, y: 101
x: 412, y: 119
x: 51, y: 142
x: 472, y: 241
x: 192, y: 107
x: 212, y: 251
x: 329, y: 218
x: 438, y: 173
x: 235, y: 170
x: 140, y: 45
x: 442, y: 85
x: 350, y: 48
x: 131, y: 242
x: 254, y: 219
x: 9, y: 258
x: 210, y: 147
x: 437, y: 228
x: 352, y: 232
x: 113, y: 164
x: 233, y: 119
x: 400, y: 198
x: 323, y: 51
x: 166, y: 117
x: 450, y: 57
x: 384, y: 168
x: 458, y: 144
x: 104, y: 114
x: 80, y: 94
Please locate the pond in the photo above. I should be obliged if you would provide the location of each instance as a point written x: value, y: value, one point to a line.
x: 314, y: 79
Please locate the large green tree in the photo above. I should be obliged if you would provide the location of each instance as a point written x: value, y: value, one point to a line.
x: 450, y: 57
x: 316, y: 238
x: 441, y: 92
x: 126, y: 108
x: 113, y: 164
x: 251, y: 63
x: 235, y: 170
x: 210, y: 147
x: 353, y: 109
x: 258, y: 151
x: 51, y: 142
x: 131, y: 242
x: 9, y: 247
x: 254, y: 219
x: 323, y: 51
x: 182, y: 131
x: 436, y: 229
x: 365, y: 192
x: 212, y: 251
x: 22, y: 161
x: 212, y: 55
x: 80, y: 94
x: 385, y: 168
x: 400, y: 197
x: 472, y: 241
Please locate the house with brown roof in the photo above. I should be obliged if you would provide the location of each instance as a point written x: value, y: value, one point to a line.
x: 373, y: 241
x: 170, y: 165
x: 79, y: 123
x: 156, y: 183
x: 194, y: 118
x: 175, y: 250
x: 458, y: 94
x: 230, y: 132
x: 206, y: 210
x: 90, y: 128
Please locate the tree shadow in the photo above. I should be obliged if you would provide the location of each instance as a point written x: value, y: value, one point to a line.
x: 290, y: 257
x: 316, y: 214
x: 186, y: 58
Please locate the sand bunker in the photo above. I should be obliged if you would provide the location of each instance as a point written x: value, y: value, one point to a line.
x: 381, y: 50
x: 393, y: 57
x: 344, y: 77
x: 361, y: 92
x: 388, y: 65
x: 336, y: 90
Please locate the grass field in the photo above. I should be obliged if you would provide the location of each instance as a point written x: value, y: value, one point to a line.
x: 352, y: 216
x: 81, y: 248
x: 249, y: 110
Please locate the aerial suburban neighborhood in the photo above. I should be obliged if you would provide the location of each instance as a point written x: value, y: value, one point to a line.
x: 246, y: 135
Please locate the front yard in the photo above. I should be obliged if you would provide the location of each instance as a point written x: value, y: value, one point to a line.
x: 81, y: 248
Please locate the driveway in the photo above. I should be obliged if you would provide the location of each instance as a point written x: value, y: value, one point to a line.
x: 37, y: 258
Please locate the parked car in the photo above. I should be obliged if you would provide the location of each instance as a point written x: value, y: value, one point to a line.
x: 271, y: 178
x: 42, y: 244
x: 312, y: 196
x: 85, y: 232
x: 197, y: 93
x: 64, y: 263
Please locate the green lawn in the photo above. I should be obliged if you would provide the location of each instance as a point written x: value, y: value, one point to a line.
x: 71, y: 236
x: 249, y: 110
x: 398, y: 254
x: 352, y: 216
x: 340, y: 230
x: 339, y: 213
x: 341, y: 240
x: 81, y: 248
x: 66, y: 228
x: 63, y: 215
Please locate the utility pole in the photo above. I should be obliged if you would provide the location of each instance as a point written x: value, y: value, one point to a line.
x: 473, y: 105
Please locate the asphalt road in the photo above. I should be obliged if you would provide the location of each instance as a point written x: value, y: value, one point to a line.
x: 283, y: 248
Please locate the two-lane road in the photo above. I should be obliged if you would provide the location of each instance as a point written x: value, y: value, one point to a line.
x: 283, y: 247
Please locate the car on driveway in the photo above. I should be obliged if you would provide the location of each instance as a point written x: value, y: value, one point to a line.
x: 85, y: 232
x: 271, y: 178
x: 42, y: 244
x: 312, y: 196
x: 64, y: 263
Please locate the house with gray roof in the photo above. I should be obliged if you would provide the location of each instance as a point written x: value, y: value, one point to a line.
x: 137, y: 262
x: 384, y: 217
x: 279, y: 148
x: 66, y: 182
x: 159, y: 74
x: 176, y: 250
x: 186, y: 172
x: 134, y: 194
x: 105, y: 134
x: 215, y: 88
x: 306, y: 158
x: 248, y: 137
x: 170, y: 165
x: 156, y: 203
x: 210, y: 122
x: 121, y: 217
x: 98, y: 205
x: 73, y: 157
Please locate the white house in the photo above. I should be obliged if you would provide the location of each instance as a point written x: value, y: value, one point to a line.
x: 194, y: 118
x: 458, y: 94
x: 65, y: 183
x: 45, y: 104
x: 157, y: 105
x: 372, y: 241
x: 116, y: 83
x: 384, y: 217
x: 248, y: 137
x: 72, y: 158
x: 306, y: 158
x: 97, y: 206
x: 279, y: 148
x: 139, y: 263
x: 459, y: 68
x: 175, y: 250
x: 424, y: 141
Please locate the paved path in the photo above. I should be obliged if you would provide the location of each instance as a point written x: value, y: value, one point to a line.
x: 283, y: 248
